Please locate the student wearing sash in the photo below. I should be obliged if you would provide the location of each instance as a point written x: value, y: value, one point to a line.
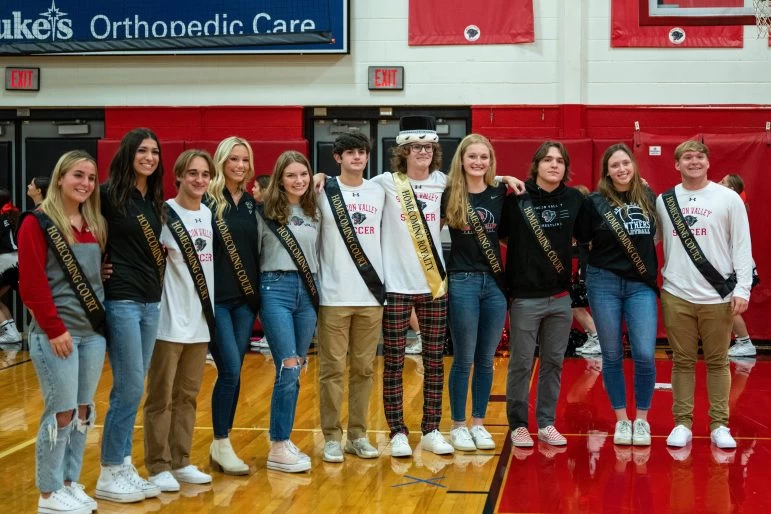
x: 288, y: 235
x: 132, y: 205
x: 185, y: 327
x: 352, y: 296
x: 540, y: 225
x: 621, y: 286
x: 60, y: 249
x: 707, y: 278
x: 236, y: 261
x: 472, y: 207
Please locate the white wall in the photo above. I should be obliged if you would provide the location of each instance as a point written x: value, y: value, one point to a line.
x: 570, y: 62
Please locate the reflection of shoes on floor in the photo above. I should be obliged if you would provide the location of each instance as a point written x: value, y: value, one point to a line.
x: 224, y: 490
x: 680, y: 453
x: 284, y: 485
x: 418, y: 360
x: 192, y: 490
x: 595, y: 440
x: 593, y: 363
x: 747, y: 453
x: 431, y: 461
x: 477, y: 460
x: 401, y: 466
x: 623, y: 453
x: 743, y: 364
x: 641, y: 454
x: 521, y: 453
x: 742, y: 348
x: 722, y: 456
x: 549, y: 450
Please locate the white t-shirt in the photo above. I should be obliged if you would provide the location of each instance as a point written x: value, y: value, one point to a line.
x: 403, y: 272
x: 181, y: 316
x: 718, y: 220
x: 340, y: 281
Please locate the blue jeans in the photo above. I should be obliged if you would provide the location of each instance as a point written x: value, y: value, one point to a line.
x: 477, y: 310
x: 234, y: 328
x: 131, y: 330
x: 65, y: 384
x: 288, y: 320
x: 614, y: 299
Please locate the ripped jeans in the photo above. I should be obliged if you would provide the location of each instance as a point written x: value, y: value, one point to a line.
x: 289, y: 321
x: 65, y: 384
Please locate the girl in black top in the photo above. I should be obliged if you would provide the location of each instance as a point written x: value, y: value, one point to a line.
x: 132, y: 200
x: 236, y: 263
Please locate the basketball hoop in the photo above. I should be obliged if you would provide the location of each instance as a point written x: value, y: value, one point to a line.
x: 762, y: 16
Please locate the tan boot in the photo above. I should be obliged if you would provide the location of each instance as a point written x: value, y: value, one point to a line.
x: 224, y: 459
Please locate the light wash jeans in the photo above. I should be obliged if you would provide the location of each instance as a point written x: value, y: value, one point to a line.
x: 289, y: 321
x: 477, y: 310
x: 65, y: 384
x: 131, y: 330
x: 613, y: 300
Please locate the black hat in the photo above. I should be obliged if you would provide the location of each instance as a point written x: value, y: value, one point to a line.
x: 417, y: 129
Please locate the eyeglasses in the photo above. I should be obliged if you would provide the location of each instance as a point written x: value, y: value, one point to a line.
x: 426, y: 148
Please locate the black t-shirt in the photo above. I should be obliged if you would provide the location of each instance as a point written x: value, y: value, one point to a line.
x: 606, y: 251
x: 242, y: 223
x: 134, y: 273
x: 465, y: 254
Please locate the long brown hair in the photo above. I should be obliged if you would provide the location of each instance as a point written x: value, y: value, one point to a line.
x: 457, y: 192
x: 638, y: 192
x: 275, y: 200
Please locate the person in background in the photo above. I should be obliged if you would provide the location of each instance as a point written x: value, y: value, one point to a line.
x: 289, y: 295
x: 621, y: 286
x: 65, y: 343
x: 578, y: 299
x: 259, y: 187
x: 9, y: 267
x: 476, y: 299
x: 743, y: 346
x: 235, y: 295
x: 186, y: 326
x: 37, y: 189
x: 132, y: 205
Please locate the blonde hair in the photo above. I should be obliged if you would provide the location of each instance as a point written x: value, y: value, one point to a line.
x: 90, y: 209
x: 690, y: 146
x: 457, y: 192
x: 217, y: 185
x: 638, y: 192
x: 275, y: 200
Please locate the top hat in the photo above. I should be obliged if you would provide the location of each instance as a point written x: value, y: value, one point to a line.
x: 417, y: 129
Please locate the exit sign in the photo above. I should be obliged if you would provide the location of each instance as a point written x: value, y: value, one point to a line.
x: 386, y: 77
x: 22, y: 79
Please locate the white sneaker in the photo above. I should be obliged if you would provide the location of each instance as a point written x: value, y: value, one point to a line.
x: 591, y: 346
x: 61, y: 502
x: 113, y: 485
x: 461, y: 439
x: 641, y: 433
x: 131, y: 474
x: 680, y: 436
x: 285, y: 456
x: 78, y: 491
x: 261, y: 343
x: 166, y: 481
x: 435, y: 442
x: 191, y: 475
x: 333, y: 451
x: 623, y: 433
x: 400, y: 446
x: 721, y: 437
x: 415, y: 348
x: 8, y: 338
x: 362, y: 448
x: 742, y: 349
x: 482, y: 438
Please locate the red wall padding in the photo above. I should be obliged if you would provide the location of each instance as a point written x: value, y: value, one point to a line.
x: 513, y: 157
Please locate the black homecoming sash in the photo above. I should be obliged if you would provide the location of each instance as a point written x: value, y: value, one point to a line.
x: 290, y: 244
x: 486, y: 247
x: 723, y: 286
x: 152, y: 246
x: 617, y: 227
x: 531, y: 218
x: 351, y: 240
x: 72, y: 271
x: 237, y: 265
x: 186, y: 246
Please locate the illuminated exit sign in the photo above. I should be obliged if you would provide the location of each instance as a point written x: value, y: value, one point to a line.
x: 386, y: 77
x: 22, y: 79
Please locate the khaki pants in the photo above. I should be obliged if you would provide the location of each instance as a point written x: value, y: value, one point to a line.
x: 347, y: 333
x: 173, y: 382
x: 686, y: 323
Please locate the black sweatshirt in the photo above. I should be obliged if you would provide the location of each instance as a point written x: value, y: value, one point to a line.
x: 529, y: 273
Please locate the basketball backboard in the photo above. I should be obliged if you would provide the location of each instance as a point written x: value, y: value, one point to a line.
x: 696, y: 12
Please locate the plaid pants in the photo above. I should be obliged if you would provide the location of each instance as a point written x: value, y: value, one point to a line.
x: 432, y: 317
